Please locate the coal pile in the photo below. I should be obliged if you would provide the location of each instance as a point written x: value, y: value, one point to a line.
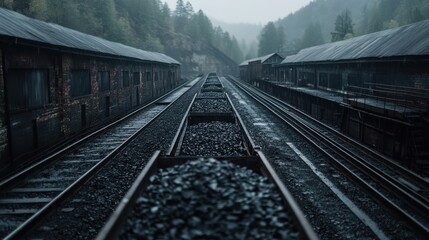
x: 209, y: 199
x: 212, y: 80
x: 211, y: 95
x: 211, y: 105
x: 211, y: 88
x: 214, y: 138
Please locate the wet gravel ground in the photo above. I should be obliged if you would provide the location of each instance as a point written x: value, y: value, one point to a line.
x: 84, y: 215
x: 330, y: 217
x: 209, y: 199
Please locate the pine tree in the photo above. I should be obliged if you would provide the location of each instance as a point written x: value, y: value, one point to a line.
x: 180, y: 16
x: 272, y: 39
x: 343, y: 27
x: 38, y: 9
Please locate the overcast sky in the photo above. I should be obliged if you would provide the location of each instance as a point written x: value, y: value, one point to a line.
x: 240, y: 11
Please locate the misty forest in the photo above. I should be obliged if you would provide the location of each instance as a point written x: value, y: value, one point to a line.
x: 152, y: 25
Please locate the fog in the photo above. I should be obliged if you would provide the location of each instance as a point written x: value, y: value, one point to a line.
x: 245, y: 11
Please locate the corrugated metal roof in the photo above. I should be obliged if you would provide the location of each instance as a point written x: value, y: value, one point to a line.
x: 262, y: 59
x: 409, y: 40
x: 13, y: 24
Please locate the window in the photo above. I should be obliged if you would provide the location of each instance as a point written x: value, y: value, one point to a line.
x: 28, y: 88
x: 103, y: 78
x: 148, y: 76
x: 136, y: 78
x: 125, y: 79
x: 80, y: 83
x: 335, y: 81
x: 323, y: 79
x: 156, y: 76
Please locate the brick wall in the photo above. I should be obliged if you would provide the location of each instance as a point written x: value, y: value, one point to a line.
x: 35, y: 127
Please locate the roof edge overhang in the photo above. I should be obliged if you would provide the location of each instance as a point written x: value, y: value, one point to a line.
x: 404, y: 58
x: 30, y: 43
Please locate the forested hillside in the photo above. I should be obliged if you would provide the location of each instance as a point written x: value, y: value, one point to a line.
x: 246, y: 33
x: 384, y: 14
x: 145, y: 24
x: 315, y: 23
x: 317, y: 18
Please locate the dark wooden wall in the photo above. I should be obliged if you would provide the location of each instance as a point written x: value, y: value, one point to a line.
x: 42, y: 114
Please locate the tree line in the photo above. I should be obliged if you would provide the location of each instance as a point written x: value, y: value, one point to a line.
x: 322, y: 21
x: 145, y: 24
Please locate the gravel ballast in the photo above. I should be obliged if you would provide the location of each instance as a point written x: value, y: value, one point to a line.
x: 85, y: 214
x: 329, y: 216
x: 209, y: 199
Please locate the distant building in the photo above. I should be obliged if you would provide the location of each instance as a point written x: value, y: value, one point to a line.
x: 260, y: 68
x: 374, y: 87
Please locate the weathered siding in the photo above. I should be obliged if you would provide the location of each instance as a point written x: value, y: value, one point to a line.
x: 3, y: 127
x: 33, y: 127
x: 79, y: 111
x: 49, y: 89
x: 67, y: 109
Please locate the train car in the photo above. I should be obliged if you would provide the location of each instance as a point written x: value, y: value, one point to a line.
x: 56, y: 82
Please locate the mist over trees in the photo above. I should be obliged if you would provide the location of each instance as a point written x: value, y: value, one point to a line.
x: 312, y: 36
x: 272, y: 39
x: 343, y: 27
x: 323, y: 21
x: 384, y: 14
x: 151, y: 25
x: 247, y: 35
x: 145, y: 24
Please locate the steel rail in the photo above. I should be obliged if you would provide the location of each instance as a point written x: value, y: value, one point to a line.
x: 10, y: 181
x: 41, y: 214
x: 305, y: 131
x: 113, y: 227
x: 411, y: 197
x: 410, y: 175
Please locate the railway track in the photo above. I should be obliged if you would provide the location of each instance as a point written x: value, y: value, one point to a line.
x: 402, y: 192
x: 210, y: 131
x: 30, y: 195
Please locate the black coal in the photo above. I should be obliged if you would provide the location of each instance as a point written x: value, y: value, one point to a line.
x: 214, y: 138
x: 211, y: 105
x: 209, y: 199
